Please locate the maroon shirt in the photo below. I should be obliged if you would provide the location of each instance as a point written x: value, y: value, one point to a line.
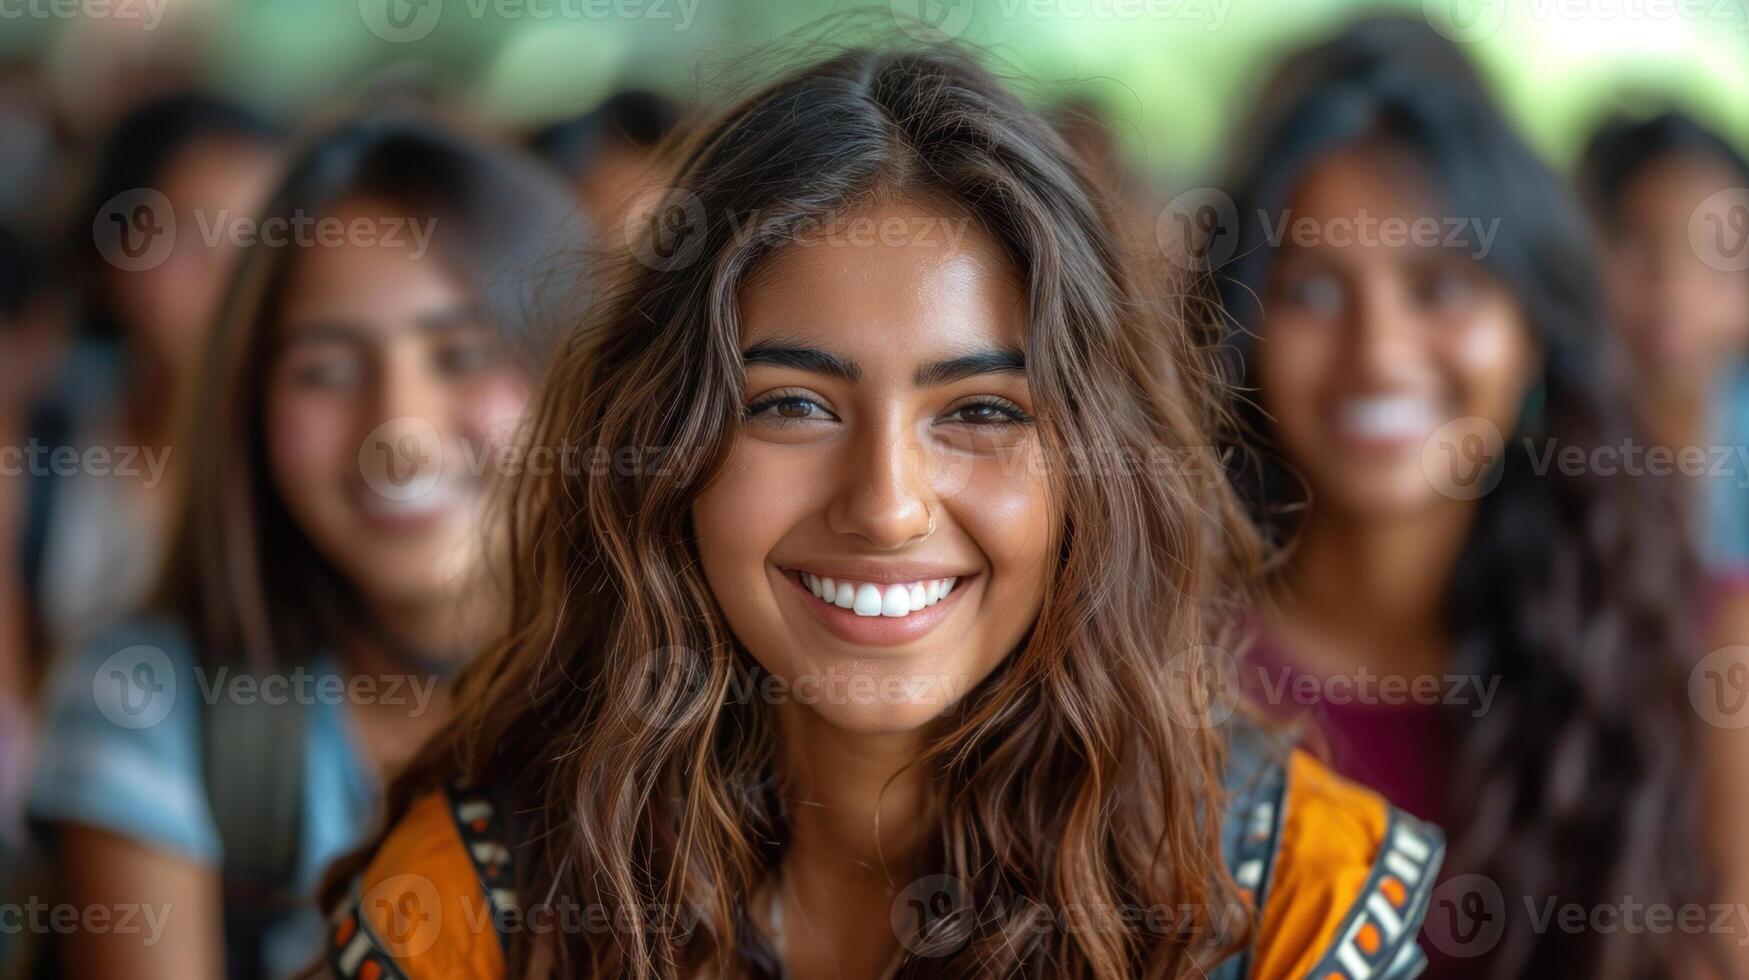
x: 1405, y: 749
x: 1389, y: 738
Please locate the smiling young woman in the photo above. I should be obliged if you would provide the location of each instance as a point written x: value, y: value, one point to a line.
x: 215, y: 752
x: 881, y: 668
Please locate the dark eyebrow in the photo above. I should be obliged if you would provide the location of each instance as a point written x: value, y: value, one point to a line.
x: 462, y: 316
x: 809, y: 359
x: 1006, y: 360
x: 322, y: 332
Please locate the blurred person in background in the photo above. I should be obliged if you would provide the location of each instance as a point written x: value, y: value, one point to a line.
x: 1408, y: 391
x: 1669, y: 195
x: 1679, y: 301
x: 30, y: 308
x: 331, y: 559
x: 609, y: 153
x: 151, y: 252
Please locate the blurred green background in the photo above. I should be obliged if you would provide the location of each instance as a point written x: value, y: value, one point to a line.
x: 1175, y: 75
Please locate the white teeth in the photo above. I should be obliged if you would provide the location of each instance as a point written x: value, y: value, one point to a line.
x: 896, y: 601
x: 1387, y: 416
x: 868, y: 599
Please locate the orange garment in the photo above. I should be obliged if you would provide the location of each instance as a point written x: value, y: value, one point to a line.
x: 1347, y: 879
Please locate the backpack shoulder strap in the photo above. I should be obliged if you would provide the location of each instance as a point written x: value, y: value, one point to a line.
x: 481, y: 821
x: 254, y: 756
x: 414, y: 911
x: 1344, y: 892
x: 1256, y: 784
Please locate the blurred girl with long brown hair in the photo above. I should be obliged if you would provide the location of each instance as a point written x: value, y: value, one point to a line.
x: 207, y: 758
x: 868, y: 633
x: 1495, y: 638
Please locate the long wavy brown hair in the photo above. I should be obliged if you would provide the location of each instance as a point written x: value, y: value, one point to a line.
x: 1065, y: 782
x: 1576, y: 591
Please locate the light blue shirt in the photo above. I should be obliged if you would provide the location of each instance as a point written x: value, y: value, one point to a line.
x: 122, y: 751
x: 1725, y: 514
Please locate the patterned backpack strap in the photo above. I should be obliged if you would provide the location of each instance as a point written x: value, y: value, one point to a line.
x: 480, y: 819
x: 354, y: 949
x: 413, y: 896
x: 1255, y: 782
x: 1377, y: 939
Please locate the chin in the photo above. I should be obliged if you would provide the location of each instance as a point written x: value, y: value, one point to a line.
x: 882, y: 719
x: 1389, y: 498
x: 865, y: 698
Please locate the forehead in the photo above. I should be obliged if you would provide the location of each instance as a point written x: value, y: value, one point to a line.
x: 1372, y: 181
x: 896, y: 279
x: 368, y: 264
x: 1670, y: 190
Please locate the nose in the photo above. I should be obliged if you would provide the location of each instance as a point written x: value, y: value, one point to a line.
x: 410, y: 398
x: 1384, y: 335
x: 880, y: 497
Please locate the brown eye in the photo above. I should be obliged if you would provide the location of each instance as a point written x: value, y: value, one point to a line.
x: 328, y: 372
x: 989, y: 412
x: 1318, y: 294
x: 786, y: 408
x: 1445, y: 289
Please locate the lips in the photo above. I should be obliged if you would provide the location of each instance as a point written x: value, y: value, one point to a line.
x: 872, y: 605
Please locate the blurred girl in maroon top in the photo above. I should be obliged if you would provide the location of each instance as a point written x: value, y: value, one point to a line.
x: 1493, y: 638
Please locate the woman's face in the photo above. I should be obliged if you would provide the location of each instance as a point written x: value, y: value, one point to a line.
x: 1373, y: 351
x: 879, y: 539
x: 389, y: 396
x: 1680, y: 317
x: 213, y: 186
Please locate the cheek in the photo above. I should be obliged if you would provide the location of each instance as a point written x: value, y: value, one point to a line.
x: 1290, y: 361
x: 1290, y: 358
x: 310, y: 445
x: 761, y: 493
x: 1490, y: 360
x: 1007, y: 510
x: 492, y: 409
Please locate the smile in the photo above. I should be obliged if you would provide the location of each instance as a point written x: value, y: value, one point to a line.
x: 880, y: 606
x: 874, y: 599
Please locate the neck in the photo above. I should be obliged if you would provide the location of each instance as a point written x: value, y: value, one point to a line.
x: 1675, y: 410
x: 1368, y: 590
x: 853, y: 802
